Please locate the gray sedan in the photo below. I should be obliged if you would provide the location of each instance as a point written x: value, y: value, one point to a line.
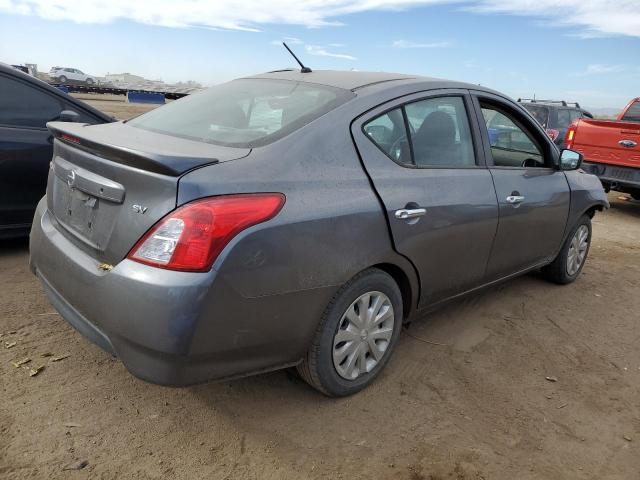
x: 300, y: 219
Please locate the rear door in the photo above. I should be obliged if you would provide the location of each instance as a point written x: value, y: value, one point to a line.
x: 424, y: 157
x: 533, y: 195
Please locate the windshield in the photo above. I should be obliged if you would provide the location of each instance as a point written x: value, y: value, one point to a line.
x: 243, y: 113
x: 541, y: 114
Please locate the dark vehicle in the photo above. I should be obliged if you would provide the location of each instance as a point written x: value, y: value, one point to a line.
x: 555, y: 116
x: 26, y: 146
x: 299, y: 219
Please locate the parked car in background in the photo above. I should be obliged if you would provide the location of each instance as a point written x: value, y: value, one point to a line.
x: 26, y: 146
x: 555, y: 116
x: 71, y: 75
x: 222, y: 234
x: 611, y: 149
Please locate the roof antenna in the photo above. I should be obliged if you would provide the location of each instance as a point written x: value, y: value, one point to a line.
x: 303, y: 69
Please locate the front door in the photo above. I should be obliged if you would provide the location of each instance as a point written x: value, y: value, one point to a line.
x: 533, y: 195
x: 423, y: 155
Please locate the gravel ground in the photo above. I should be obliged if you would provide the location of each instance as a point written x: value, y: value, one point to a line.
x: 466, y: 395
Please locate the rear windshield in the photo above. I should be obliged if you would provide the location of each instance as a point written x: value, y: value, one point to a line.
x: 245, y: 112
x: 541, y: 114
x: 632, y: 114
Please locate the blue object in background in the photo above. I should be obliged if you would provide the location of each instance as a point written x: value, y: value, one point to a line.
x: 145, y: 97
x: 62, y: 88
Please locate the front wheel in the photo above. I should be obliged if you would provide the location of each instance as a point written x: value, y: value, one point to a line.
x: 569, y: 263
x: 356, y: 335
x: 62, y: 79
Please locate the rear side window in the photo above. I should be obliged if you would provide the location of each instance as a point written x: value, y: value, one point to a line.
x: 575, y: 115
x: 540, y: 113
x: 564, y: 117
x: 439, y: 133
x: 244, y: 113
x: 389, y: 134
x: 22, y: 105
x: 633, y: 113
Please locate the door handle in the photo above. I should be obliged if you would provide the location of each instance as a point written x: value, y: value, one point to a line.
x: 405, y: 213
x: 515, y: 199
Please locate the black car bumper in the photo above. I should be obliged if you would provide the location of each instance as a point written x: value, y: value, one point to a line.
x: 614, y: 176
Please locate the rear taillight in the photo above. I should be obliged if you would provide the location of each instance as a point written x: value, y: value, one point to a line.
x: 571, y: 133
x: 553, y: 133
x: 191, y: 237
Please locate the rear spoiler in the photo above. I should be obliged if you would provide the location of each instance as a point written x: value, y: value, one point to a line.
x: 152, y: 162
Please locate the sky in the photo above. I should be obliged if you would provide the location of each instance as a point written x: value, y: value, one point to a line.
x: 577, y: 50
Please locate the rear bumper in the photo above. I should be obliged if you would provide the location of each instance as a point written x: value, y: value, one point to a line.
x: 614, y: 175
x: 171, y: 328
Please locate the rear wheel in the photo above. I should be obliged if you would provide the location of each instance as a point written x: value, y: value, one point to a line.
x: 356, y: 336
x: 89, y: 81
x: 62, y: 79
x: 571, y: 259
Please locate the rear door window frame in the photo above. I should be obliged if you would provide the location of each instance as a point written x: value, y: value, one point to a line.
x: 384, y: 108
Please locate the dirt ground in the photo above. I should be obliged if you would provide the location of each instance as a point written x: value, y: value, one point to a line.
x: 115, y: 105
x: 465, y: 396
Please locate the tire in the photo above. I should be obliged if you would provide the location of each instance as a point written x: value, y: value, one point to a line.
x: 561, y: 271
x: 62, y: 79
x: 89, y: 81
x: 319, y: 368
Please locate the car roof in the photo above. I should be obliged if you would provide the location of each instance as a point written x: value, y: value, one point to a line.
x: 348, y: 80
x: 37, y: 83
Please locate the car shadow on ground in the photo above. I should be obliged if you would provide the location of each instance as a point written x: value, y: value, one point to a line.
x: 14, y: 246
x: 625, y: 205
x: 455, y: 326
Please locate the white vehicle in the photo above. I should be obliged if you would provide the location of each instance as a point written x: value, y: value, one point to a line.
x: 64, y: 75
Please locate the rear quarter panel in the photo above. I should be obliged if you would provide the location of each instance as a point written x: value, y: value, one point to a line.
x: 331, y: 227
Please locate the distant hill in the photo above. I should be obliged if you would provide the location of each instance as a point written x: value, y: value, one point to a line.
x: 607, y: 113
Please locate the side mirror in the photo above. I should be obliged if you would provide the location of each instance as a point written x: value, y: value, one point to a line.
x: 68, y: 116
x: 570, y: 160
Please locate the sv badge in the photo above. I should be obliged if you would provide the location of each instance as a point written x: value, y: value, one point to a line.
x: 139, y: 209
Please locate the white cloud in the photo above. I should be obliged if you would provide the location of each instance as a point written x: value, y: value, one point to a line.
x: 600, y: 69
x: 322, y: 52
x: 408, y: 44
x: 595, y: 18
x: 591, y: 17
x: 288, y: 40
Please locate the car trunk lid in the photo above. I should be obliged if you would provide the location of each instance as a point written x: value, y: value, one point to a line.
x: 108, y: 186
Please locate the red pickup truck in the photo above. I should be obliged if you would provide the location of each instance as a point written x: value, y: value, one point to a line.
x: 611, y: 149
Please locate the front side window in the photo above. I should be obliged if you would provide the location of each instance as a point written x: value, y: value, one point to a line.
x: 511, y: 144
x: 439, y: 133
x: 243, y: 113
